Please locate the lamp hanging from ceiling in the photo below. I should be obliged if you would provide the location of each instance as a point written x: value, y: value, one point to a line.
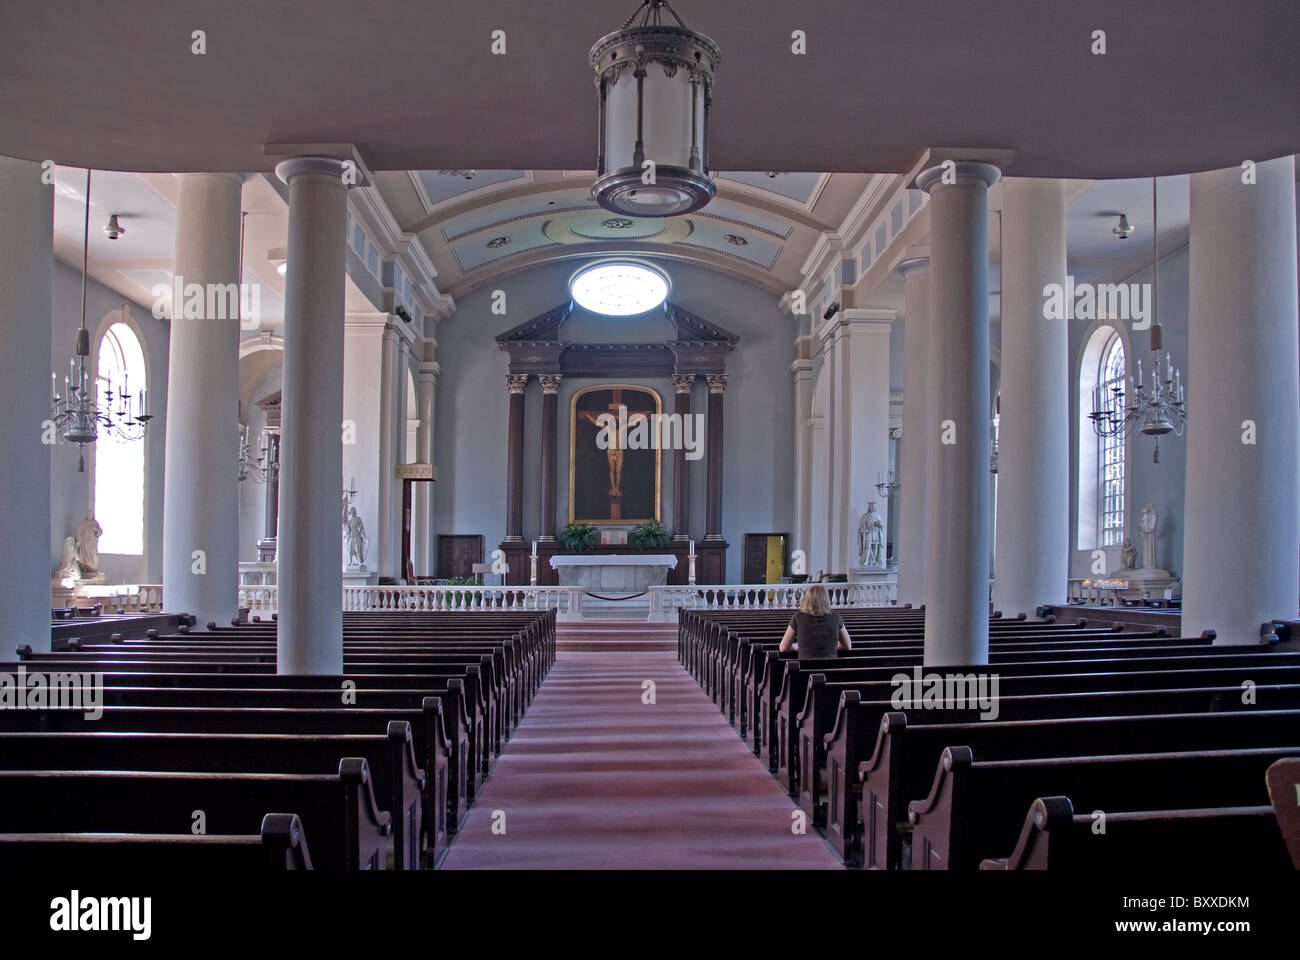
x: 77, y: 416
x: 655, y: 84
x: 1153, y: 409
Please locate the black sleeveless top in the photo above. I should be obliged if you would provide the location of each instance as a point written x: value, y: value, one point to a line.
x: 817, y: 637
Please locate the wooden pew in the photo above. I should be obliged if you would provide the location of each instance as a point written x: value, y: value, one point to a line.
x: 400, y: 786
x: 975, y: 809
x: 280, y: 845
x: 907, y: 749
x: 1054, y: 837
x: 348, y: 829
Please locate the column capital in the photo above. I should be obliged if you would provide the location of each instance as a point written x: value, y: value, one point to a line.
x: 950, y: 171
x: 516, y: 382
x: 683, y: 382
x: 287, y: 170
x: 717, y: 382
x: 912, y: 265
x: 550, y: 383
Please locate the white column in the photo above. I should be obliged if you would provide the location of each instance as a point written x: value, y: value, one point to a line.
x: 26, y: 259
x: 957, y: 439
x: 801, y: 368
x: 864, y: 382
x: 834, y: 452
x: 1240, y: 560
x: 402, y: 440
x: 384, y: 550
x: 1032, y: 544
x: 200, y: 492
x: 426, y: 385
x: 916, y: 431
x: 310, y: 637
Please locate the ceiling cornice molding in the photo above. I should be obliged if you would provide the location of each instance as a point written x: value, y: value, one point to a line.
x: 827, y: 246
x: 867, y: 209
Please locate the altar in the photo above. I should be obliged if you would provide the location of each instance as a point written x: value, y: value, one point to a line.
x: 611, y: 576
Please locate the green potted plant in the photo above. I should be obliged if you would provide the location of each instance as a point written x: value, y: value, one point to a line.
x: 649, y: 535
x: 578, y: 537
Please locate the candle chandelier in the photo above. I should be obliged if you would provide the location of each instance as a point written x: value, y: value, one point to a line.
x: 1155, y: 408
x: 77, y: 414
x: 655, y: 83
x: 263, y: 467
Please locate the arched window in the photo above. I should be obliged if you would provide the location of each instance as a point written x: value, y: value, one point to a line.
x: 1103, y: 461
x: 119, y: 464
x: 1110, y: 462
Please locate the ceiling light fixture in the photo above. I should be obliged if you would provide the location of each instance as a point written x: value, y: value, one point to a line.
x: 113, y: 229
x: 1124, y: 229
x: 655, y: 83
x: 619, y: 288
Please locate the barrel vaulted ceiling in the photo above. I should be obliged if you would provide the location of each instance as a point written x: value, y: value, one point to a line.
x: 480, y: 225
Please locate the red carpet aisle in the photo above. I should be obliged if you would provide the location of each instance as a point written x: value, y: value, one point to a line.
x: 596, y: 779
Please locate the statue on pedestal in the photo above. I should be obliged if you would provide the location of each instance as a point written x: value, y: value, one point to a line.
x: 87, y: 537
x: 1128, y: 555
x: 354, y: 535
x: 69, y: 569
x: 871, y: 542
x: 1147, y: 528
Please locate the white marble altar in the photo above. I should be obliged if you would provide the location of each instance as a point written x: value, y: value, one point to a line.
x: 613, y: 574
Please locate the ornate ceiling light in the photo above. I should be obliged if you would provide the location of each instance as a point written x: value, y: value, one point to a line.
x: 655, y: 83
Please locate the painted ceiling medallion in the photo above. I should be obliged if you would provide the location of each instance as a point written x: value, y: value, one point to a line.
x: 619, y: 287
x: 616, y: 223
x: 736, y: 240
x: 498, y: 242
x: 654, y: 81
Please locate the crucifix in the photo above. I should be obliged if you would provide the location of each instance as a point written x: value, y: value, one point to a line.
x: 614, y: 452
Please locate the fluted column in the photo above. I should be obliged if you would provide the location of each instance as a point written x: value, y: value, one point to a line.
x: 682, y: 384
x: 957, y: 439
x: 1032, y: 547
x: 713, y: 427
x: 1241, y: 565
x: 550, y: 404
x: 272, y: 514
x: 384, y: 549
x: 910, y: 542
x: 801, y: 368
x: 200, y: 495
x: 515, y: 382
x: 26, y: 259
x: 426, y: 385
x: 310, y: 635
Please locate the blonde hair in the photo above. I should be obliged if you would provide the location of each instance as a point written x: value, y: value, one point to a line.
x: 815, y: 601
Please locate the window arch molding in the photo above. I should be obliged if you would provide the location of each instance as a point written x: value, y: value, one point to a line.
x: 133, y: 541
x: 1098, y: 340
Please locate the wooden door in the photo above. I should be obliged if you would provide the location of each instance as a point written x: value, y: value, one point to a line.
x: 765, y: 557
x: 457, y: 554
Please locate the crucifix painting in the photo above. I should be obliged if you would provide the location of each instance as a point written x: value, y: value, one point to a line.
x: 614, y: 455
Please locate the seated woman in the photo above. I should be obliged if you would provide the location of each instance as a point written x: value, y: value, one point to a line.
x: 816, y: 628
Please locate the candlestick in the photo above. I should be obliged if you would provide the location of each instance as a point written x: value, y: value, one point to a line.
x: 692, y: 548
x: 534, y: 549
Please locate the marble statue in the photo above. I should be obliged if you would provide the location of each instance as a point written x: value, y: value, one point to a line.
x: 1147, y: 533
x: 1128, y: 554
x: 88, y: 533
x: 871, y: 543
x: 69, y: 569
x: 354, y: 533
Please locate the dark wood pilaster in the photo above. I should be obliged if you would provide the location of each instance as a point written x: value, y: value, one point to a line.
x: 515, y: 458
x: 713, y: 427
x: 682, y: 383
x: 550, y: 404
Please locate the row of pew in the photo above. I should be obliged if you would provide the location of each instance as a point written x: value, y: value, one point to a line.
x: 198, y: 753
x: 1104, y: 745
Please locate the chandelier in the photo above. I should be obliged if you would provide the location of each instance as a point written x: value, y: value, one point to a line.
x: 266, y: 465
x: 78, y: 416
x: 655, y: 83
x: 1154, y: 408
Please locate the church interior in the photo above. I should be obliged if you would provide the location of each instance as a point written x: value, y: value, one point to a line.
x: 480, y: 506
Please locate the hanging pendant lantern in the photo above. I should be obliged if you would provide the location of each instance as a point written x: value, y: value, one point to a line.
x: 655, y: 83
